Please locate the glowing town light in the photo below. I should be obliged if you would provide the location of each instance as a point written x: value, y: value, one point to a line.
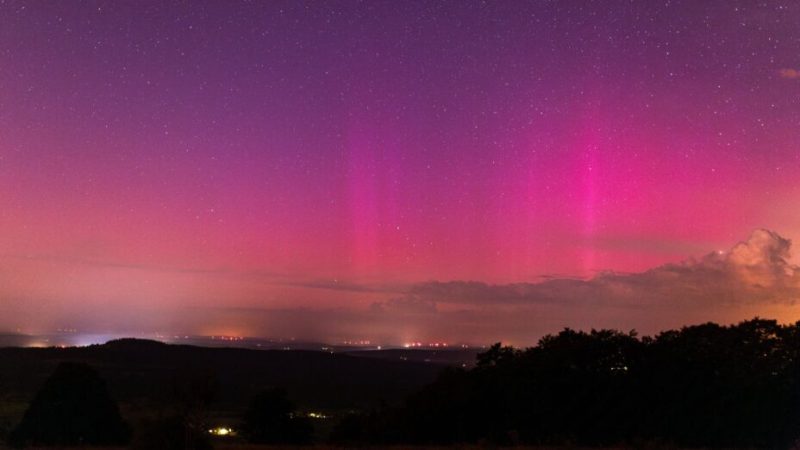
x: 222, y: 431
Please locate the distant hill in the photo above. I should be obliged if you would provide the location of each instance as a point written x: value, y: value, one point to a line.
x: 144, y: 373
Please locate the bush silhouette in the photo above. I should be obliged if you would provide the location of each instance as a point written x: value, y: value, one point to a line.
x: 72, y: 408
x: 270, y: 419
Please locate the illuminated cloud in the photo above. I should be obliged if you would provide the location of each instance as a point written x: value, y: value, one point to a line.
x: 754, y: 277
x: 792, y: 74
x: 756, y: 270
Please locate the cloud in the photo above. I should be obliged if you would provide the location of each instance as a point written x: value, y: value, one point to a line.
x: 791, y: 74
x: 339, y: 285
x: 753, y: 271
x: 405, y: 305
x: 754, y: 277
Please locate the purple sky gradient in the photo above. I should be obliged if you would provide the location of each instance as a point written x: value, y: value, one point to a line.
x: 317, y: 158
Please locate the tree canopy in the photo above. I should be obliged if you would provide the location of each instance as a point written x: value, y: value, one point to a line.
x: 700, y: 386
x: 72, y: 408
x: 271, y: 419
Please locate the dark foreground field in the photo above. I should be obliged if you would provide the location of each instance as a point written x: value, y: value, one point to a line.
x: 233, y: 446
x: 702, y: 386
x: 145, y: 377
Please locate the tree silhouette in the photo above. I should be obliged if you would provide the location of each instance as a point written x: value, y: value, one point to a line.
x: 184, y: 425
x: 194, y: 392
x: 271, y: 419
x: 701, y: 386
x: 72, y: 408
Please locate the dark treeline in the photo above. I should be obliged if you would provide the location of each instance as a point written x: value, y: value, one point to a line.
x: 706, y: 386
x: 74, y: 408
x: 701, y: 386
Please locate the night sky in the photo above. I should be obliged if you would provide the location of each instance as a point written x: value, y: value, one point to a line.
x: 398, y: 170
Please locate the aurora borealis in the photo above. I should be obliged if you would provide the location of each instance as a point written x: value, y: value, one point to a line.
x: 397, y: 170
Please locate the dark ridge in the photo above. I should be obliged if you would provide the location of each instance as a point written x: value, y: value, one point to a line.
x: 134, y: 343
x: 143, y: 372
